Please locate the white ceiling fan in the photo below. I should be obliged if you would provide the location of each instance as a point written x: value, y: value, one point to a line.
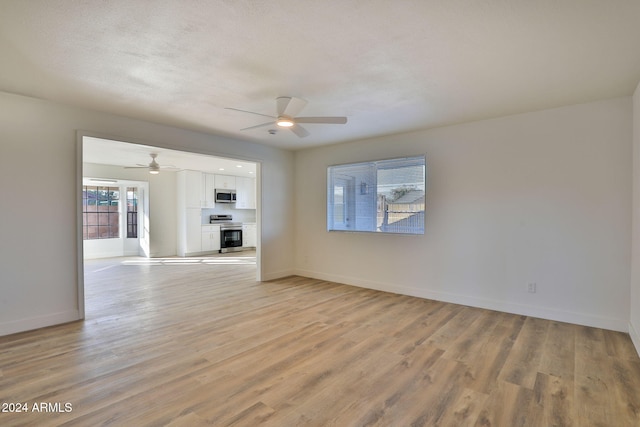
x: 287, y: 109
x: 154, y: 167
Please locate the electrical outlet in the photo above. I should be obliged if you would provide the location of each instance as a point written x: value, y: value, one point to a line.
x: 532, y: 288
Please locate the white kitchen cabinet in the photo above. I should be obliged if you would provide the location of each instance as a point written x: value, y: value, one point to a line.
x: 189, y: 188
x: 193, y: 231
x: 189, y: 213
x: 208, y: 197
x: 210, y: 238
x: 225, y: 182
x: 245, y: 193
x: 249, y: 235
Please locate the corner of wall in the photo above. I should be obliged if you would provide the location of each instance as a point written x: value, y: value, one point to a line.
x: 634, y: 308
x: 635, y: 338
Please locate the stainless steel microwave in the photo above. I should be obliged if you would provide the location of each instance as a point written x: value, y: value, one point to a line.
x: 225, y: 196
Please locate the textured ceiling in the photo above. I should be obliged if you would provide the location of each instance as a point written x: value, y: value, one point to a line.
x: 389, y: 66
x: 118, y: 153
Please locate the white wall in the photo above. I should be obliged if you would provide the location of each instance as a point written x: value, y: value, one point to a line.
x: 38, y: 250
x: 634, y: 321
x: 541, y: 197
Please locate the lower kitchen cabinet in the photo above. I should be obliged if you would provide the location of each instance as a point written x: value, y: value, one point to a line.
x: 249, y: 235
x: 210, y: 238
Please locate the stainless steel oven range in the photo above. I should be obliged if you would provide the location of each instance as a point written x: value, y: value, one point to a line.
x: 230, y: 233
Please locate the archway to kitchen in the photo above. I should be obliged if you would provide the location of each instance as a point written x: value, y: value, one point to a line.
x: 172, y: 210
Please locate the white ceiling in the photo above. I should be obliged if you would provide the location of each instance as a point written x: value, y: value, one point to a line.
x: 389, y: 66
x: 117, y: 153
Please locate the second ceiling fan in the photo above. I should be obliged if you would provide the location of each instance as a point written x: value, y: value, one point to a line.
x: 287, y: 108
x: 154, y: 167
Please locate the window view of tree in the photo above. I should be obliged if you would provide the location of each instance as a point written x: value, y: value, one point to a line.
x: 100, y: 212
x: 385, y: 196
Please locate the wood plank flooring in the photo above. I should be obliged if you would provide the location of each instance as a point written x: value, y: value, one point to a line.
x: 195, y: 342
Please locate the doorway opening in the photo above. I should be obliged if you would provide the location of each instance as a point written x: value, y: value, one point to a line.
x: 137, y: 205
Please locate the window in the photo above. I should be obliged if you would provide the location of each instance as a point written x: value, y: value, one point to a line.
x: 132, y: 212
x: 386, y: 196
x: 100, y: 212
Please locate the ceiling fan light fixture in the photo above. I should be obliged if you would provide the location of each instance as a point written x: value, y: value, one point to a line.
x: 154, y: 167
x: 284, y: 122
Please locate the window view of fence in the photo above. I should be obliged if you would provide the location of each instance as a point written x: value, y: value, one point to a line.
x: 132, y: 212
x: 100, y: 212
x: 386, y: 196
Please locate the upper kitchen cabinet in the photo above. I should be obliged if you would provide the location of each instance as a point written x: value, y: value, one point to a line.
x: 225, y: 182
x: 208, y: 198
x: 189, y: 189
x: 245, y: 193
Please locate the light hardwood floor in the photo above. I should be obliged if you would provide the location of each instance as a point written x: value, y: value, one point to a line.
x: 199, y: 342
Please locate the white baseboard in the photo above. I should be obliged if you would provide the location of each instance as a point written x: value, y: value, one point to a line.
x: 31, y: 323
x: 277, y: 274
x: 620, y: 325
x: 635, y: 338
x: 100, y: 255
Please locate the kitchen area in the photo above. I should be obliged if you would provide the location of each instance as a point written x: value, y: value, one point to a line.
x: 216, y: 213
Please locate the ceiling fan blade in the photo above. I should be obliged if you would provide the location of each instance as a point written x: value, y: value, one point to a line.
x: 299, y: 130
x: 289, y: 106
x: 258, y: 126
x: 327, y: 120
x: 281, y: 104
x: 136, y: 167
x: 251, y: 112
